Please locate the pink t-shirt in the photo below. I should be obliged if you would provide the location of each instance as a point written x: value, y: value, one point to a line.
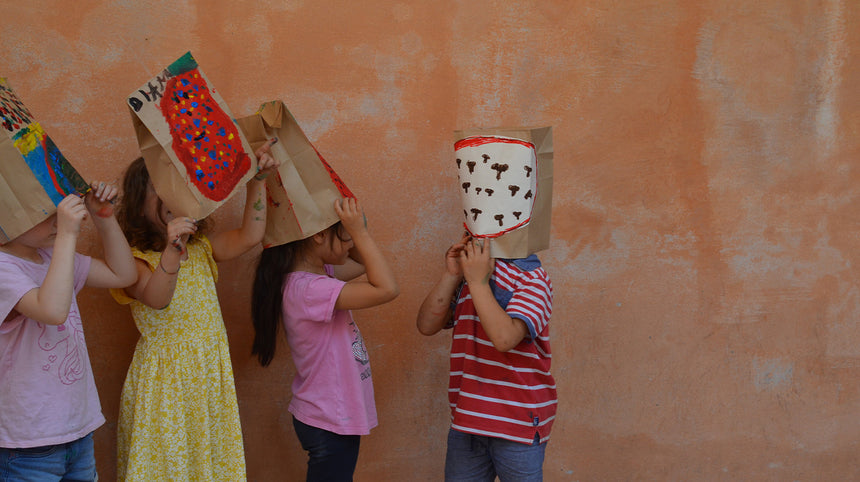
x: 332, y: 389
x: 47, y: 392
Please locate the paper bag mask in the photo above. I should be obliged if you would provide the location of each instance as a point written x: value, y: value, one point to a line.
x: 34, y: 175
x: 505, y: 183
x: 301, y: 195
x: 195, y: 153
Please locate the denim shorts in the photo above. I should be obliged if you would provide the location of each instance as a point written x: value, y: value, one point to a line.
x: 69, y: 462
x: 475, y: 458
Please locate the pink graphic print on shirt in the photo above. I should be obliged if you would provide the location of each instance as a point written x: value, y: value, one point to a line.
x: 359, y: 351
x: 66, y: 341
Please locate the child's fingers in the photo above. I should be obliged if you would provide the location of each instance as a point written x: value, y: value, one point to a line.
x: 269, y: 162
x: 265, y: 148
x: 485, y: 245
x: 110, y: 192
x: 265, y: 161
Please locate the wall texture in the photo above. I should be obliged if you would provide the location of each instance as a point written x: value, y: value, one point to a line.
x: 704, y: 225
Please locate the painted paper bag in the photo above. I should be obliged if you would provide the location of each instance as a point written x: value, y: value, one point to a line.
x: 194, y: 151
x: 505, y: 184
x: 34, y: 175
x: 301, y: 195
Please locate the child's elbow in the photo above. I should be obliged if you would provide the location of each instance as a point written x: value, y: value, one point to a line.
x: 505, y: 343
x: 504, y: 346
x: 394, y: 292
x: 127, y: 279
x: 426, y: 329
x: 55, y: 319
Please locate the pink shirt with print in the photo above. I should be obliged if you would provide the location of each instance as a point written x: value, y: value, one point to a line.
x: 47, y: 392
x: 332, y: 389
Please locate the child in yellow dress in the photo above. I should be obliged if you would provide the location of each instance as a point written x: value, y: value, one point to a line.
x: 179, y: 419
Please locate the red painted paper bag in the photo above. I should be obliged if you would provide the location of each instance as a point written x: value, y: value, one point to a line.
x: 195, y: 153
x: 301, y: 196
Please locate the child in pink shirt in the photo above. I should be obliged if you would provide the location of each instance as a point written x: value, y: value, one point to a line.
x: 310, y: 284
x: 49, y: 401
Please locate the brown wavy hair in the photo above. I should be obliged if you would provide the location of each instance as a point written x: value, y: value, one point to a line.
x: 141, y: 233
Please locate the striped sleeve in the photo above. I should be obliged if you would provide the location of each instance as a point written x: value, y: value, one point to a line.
x: 532, y: 299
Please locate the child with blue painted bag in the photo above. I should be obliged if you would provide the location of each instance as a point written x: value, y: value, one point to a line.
x: 50, y: 406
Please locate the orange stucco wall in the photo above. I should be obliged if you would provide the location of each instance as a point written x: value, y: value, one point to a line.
x: 704, y: 223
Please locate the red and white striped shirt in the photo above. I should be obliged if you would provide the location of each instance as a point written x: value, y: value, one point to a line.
x: 509, y: 395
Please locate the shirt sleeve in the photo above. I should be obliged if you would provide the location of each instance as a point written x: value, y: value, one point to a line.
x: 312, y: 297
x: 14, y: 284
x: 82, y: 271
x: 532, y: 302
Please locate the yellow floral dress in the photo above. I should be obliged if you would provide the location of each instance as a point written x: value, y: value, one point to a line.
x: 178, y: 417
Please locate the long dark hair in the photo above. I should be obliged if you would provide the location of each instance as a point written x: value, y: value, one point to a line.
x: 140, y: 233
x: 267, y: 297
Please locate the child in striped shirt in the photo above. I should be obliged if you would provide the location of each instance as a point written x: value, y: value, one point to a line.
x: 501, y: 392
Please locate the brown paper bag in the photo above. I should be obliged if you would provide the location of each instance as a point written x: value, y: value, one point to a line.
x: 34, y: 175
x: 195, y: 153
x: 534, y: 236
x: 301, y: 196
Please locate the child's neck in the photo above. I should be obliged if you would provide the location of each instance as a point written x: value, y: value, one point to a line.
x: 311, y: 265
x: 22, y: 251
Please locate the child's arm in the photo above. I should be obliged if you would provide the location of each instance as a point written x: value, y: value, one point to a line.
x: 50, y: 303
x: 353, y: 268
x: 381, y: 286
x: 348, y: 271
x: 435, y: 311
x: 117, y: 270
x: 503, y: 330
x: 232, y: 244
x: 155, y: 288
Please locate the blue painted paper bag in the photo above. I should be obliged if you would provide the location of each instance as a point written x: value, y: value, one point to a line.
x: 34, y: 175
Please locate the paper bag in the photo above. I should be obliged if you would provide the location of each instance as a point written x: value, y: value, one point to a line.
x: 526, y: 236
x: 34, y: 175
x: 301, y: 195
x: 194, y: 151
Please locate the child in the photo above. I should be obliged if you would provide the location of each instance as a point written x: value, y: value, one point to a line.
x: 179, y: 419
x: 502, y: 395
x: 332, y: 403
x: 50, y: 405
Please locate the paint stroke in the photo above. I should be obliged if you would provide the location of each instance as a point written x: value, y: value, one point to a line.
x: 14, y: 116
x: 335, y: 179
x: 56, y: 176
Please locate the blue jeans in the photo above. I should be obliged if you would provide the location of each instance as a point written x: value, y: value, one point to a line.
x: 475, y: 458
x: 69, y: 462
x: 331, y: 457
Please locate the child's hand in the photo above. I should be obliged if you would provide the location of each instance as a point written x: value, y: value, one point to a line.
x: 452, y: 256
x: 476, y: 262
x: 100, y: 199
x: 70, y: 213
x: 266, y: 163
x: 351, y: 215
x: 178, y: 231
